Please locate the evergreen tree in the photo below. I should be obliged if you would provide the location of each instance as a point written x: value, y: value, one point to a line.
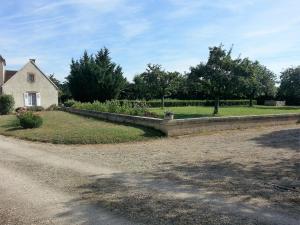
x: 95, y: 78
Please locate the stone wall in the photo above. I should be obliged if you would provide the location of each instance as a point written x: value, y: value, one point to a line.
x: 197, y: 125
x: 194, y: 125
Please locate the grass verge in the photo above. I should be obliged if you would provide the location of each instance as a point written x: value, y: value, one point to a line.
x: 64, y: 128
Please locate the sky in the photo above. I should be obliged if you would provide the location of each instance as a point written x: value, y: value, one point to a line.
x: 173, y: 33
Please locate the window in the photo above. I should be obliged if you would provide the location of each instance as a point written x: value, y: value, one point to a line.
x: 32, y: 99
x: 30, y: 77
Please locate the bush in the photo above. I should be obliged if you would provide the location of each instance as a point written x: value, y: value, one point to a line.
x: 6, y: 104
x: 180, y: 103
x: 20, y: 109
x: 35, y: 108
x: 114, y: 106
x: 29, y: 120
x: 52, y: 107
x: 69, y: 103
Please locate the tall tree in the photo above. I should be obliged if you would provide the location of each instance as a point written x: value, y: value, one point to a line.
x: 158, y: 82
x: 54, y: 80
x: 141, y: 89
x: 216, y: 76
x: 63, y: 93
x: 289, y: 88
x: 95, y: 77
x: 255, y: 80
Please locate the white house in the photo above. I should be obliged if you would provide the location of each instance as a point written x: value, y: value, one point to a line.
x: 29, y: 86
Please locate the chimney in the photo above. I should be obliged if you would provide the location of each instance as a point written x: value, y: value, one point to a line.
x: 32, y: 60
x: 2, y: 70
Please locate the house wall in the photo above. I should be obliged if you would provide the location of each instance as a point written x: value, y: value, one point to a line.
x: 18, y: 85
x: 2, y: 69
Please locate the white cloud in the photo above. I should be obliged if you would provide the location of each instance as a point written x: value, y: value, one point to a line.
x: 133, y: 28
x: 185, y: 8
x: 99, y: 5
x: 174, y: 33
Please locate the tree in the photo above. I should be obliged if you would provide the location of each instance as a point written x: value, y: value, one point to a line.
x: 63, y: 92
x: 95, y: 77
x: 54, y: 80
x: 158, y: 82
x: 216, y: 75
x: 255, y: 80
x: 194, y: 85
x: 182, y: 88
x: 289, y: 88
x: 141, y: 90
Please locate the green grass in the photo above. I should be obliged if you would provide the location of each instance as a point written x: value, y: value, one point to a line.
x: 202, y: 111
x: 64, y: 128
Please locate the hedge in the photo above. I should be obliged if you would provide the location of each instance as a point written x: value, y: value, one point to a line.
x: 178, y: 103
x: 6, y: 104
x: 115, y: 106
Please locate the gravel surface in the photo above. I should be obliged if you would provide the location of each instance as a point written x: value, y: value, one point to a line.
x: 237, y: 177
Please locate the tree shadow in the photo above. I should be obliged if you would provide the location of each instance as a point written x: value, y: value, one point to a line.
x: 210, y: 192
x: 286, y: 139
x: 11, y: 125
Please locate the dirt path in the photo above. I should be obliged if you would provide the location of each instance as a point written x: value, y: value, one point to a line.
x: 241, y: 177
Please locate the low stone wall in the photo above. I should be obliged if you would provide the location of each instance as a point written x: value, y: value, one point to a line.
x: 179, y: 127
x: 197, y: 125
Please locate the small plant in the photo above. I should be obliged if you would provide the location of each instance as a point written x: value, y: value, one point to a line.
x: 29, y: 120
x: 52, y: 107
x: 35, y: 108
x: 20, y: 110
x: 169, y: 115
x: 6, y: 104
x: 115, y: 106
x: 69, y: 103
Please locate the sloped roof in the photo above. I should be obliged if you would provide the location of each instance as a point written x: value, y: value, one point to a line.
x: 33, y: 63
x: 2, y: 60
x: 8, y: 74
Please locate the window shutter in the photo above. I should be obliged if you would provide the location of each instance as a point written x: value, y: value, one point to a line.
x: 38, y: 99
x: 25, y: 99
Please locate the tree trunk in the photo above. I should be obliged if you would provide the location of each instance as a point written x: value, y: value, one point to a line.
x: 217, y: 105
x: 163, y: 102
x: 251, y: 97
x: 251, y: 101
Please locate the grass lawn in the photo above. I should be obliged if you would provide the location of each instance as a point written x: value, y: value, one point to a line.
x: 64, y: 128
x: 202, y: 111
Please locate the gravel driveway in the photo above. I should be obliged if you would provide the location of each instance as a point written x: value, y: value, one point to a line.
x: 233, y: 177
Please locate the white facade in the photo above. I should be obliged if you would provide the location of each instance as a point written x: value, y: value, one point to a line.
x: 29, y: 86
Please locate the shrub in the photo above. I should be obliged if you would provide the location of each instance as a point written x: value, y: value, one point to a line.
x: 35, y: 108
x: 29, y: 120
x: 114, y: 106
x: 6, y: 104
x: 69, y: 103
x: 52, y: 107
x: 20, y: 110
